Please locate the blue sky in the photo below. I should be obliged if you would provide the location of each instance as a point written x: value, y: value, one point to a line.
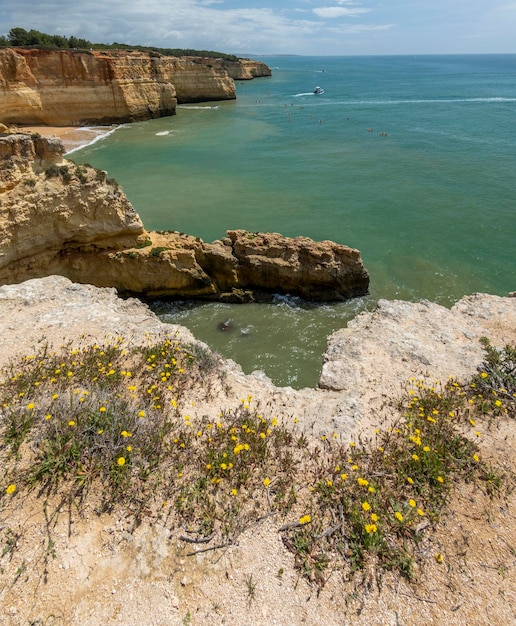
x: 310, y: 27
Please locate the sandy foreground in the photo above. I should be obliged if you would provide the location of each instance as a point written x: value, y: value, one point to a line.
x: 72, y: 136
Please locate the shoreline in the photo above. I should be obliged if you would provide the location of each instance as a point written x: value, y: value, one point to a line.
x: 73, y: 137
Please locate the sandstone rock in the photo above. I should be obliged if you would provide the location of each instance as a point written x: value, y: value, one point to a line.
x: 380, y: 351
x: 72, y: 88
x: 59, y: 218
x: 313, y: 270
x: 243, y: 69
x: 48, y: 205
x: 195, y: 81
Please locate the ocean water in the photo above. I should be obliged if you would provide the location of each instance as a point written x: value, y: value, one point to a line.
x: 412, y: 160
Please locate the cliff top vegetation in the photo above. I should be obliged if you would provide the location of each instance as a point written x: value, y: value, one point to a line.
x: 144, y: 479
x: 109, y: 416
x: 21, y: 38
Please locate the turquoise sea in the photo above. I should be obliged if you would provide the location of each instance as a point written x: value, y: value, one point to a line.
x: 412, y: 160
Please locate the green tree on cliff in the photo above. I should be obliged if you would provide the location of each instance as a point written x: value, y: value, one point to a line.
x: 19, y: 37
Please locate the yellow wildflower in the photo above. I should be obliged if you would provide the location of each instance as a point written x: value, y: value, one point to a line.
x: 366, y: 506
x: 121, y: 461
x: 266, y: 482
x: 305, y: 519
x: 370, y: 528
x: 398, y: 516
x: 412, y: 503
x: 10, y: 489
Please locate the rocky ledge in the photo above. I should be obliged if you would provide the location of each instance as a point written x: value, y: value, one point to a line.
x: 366, y: 365
x: 72, y: 220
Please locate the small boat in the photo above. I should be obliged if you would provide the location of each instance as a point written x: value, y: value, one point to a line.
x: 318, y: 91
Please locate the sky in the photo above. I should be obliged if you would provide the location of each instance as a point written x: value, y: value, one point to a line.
x: 303, y: 27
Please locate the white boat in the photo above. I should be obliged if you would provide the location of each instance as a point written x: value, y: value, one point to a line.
x: 318, y: 91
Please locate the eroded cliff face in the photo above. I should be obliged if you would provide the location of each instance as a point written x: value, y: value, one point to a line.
x: 60, y: 218
x: 243, y: 69
x: 48, y: 205
x: 72, y: 88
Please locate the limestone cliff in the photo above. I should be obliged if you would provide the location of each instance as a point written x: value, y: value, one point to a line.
x: 48, y: 204
x: 59, y: 218
x: 243, y: 69
x: 73, y: 88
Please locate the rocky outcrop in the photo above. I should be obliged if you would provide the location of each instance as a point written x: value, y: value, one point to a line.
x: 48, y: 205
x: 379, y: 351
x: 243, y: 69
x: 242, y: 267
x: 366, y: 365
x: 73, y: 88
x: 59, y: 218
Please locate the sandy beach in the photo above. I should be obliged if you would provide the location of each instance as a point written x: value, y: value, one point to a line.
x: 73, y: 137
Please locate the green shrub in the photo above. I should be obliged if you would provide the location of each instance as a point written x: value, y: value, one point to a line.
x: 157, y: 251
x: 56, y: 171
x: 112, y: 418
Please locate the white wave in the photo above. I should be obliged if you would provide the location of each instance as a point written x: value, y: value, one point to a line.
x: 101, y: 135
x: 197, y: 108
x: 162, y: 133
x: 428, y: 101
x: 308, y: 93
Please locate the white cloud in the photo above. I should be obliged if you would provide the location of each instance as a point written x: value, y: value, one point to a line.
x: 350, y: 29
x: 277, y: 26
x: 338, y: 12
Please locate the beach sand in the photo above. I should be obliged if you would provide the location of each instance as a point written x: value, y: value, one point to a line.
x: 73, y: 137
